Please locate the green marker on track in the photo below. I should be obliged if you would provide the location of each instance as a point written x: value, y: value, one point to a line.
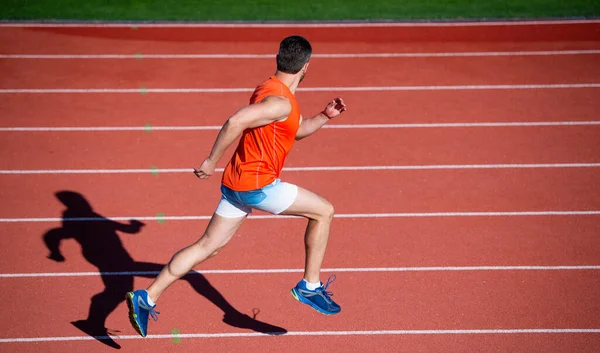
x: 139, y: 56
x: 148, y: 128
x: 154, y: 170
x: 176, y: 339
x: 161, y: 217
x: 143, y: 90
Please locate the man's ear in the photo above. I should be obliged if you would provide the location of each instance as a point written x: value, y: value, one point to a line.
x: 305, y: 67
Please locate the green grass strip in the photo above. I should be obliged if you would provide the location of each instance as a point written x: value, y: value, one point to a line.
x: 306, y: 10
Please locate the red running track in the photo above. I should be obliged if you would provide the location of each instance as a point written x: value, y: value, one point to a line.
x: 92, y: 110
x: 395, y: 308
x: 420, y: 242
x: 245, y: 73
x: 427, y: 146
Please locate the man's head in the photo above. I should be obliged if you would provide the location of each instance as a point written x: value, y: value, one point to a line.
x: 294, y: 55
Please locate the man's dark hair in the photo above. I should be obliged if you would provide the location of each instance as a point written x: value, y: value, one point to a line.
x: 294, y: 52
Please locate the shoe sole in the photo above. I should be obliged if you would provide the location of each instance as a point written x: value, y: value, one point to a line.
x: 309, y: 303
x: 132, y: 315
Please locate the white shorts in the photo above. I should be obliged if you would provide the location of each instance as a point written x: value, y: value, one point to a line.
x: 273, y: 198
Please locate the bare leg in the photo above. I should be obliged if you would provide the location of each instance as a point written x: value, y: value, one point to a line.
x: 218, y: 233
x: 320, y: 214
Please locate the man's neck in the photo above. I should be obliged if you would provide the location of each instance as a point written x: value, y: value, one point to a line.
x: 291, y: 81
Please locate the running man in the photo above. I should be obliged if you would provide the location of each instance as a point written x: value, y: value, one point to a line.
x: 268, y: 127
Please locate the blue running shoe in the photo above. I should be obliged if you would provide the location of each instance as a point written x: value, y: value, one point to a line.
x: 319, y: 299
x: 139, y: 310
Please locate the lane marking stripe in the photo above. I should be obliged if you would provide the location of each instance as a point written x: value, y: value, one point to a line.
x: 154, y: 170
x: 340, y: 24
x: 444, y: 125
x: 291, y: 270
x: 307, y: 89
x: 331, y: 126
x: 320, y: 56
x: 307, y: 333
x: 342, y: 215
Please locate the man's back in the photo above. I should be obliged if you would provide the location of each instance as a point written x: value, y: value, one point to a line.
x: 262, y: 151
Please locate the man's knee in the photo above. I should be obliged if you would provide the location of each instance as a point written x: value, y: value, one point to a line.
x: 328, y: 211
x: 215, y: 252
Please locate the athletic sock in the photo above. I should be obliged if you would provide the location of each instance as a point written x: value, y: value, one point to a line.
x: 149, y: 300
x: 312, y: 286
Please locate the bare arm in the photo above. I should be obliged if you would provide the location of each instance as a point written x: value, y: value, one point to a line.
x: 271, y: 109
x: 311, y: 125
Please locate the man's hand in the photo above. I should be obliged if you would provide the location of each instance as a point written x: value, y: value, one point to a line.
x: 310, y: 125
x: 334, y: 108
x: 206, y: 169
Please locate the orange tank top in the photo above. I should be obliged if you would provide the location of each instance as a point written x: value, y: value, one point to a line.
x: 261, y: 152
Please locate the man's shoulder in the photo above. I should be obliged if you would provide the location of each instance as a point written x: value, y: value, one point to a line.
x: 268, y: 89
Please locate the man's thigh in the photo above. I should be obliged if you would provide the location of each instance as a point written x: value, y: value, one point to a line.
x: 221, y: 229
x: 309, y: 204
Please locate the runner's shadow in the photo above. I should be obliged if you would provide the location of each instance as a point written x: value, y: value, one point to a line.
x: 102, y: 247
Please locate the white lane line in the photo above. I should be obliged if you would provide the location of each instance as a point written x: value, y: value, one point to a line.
x: 306, y: 89
x: 316, y: 24
x: 123, y: 128
x: 327, y: 270
x: 317, y: 56
x: 308, y: 169
x: 341, y: 215
x: 445, y: 125
x: 308, y: 333
x: 331, y: 126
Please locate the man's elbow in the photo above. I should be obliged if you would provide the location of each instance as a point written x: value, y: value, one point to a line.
x: 235, y: 123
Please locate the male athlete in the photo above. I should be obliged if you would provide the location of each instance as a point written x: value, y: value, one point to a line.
x: 268, y: 127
